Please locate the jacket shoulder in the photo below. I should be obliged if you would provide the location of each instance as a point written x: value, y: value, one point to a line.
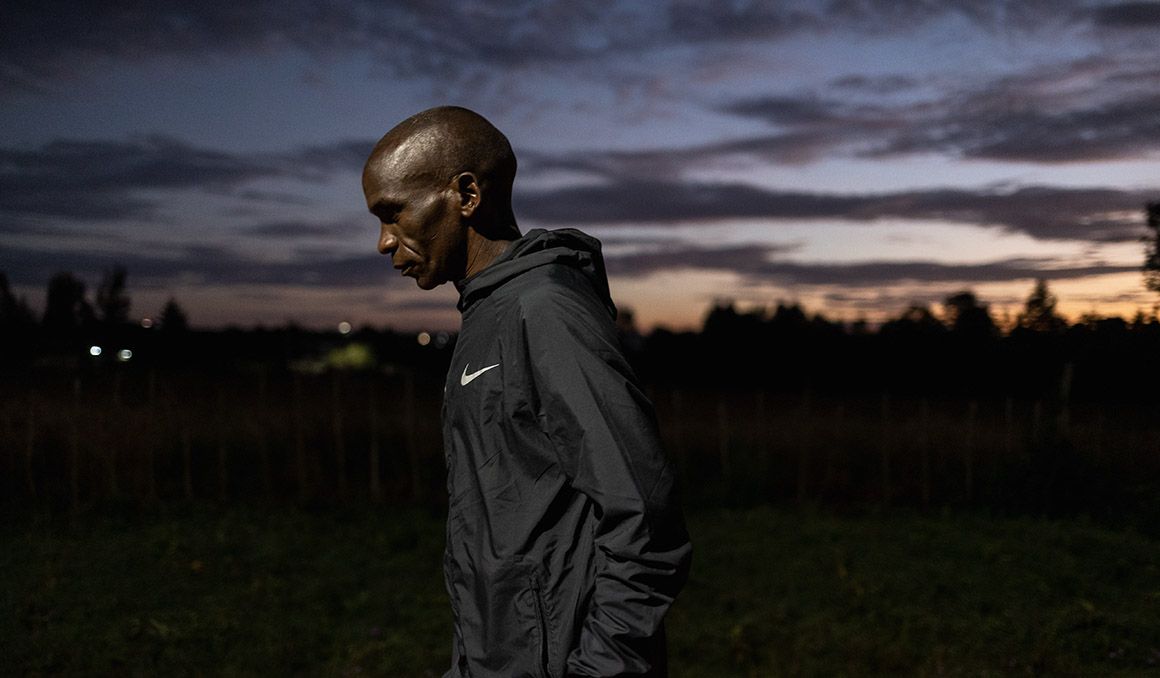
x: 555, y: 287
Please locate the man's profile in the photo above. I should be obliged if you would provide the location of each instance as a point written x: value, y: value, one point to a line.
x: 565, y: 544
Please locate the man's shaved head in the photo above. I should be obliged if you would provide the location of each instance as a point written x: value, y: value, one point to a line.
x: 440, y: 184
x: 437, y: 144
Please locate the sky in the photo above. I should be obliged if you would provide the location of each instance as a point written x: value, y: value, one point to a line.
x: 853, y: 156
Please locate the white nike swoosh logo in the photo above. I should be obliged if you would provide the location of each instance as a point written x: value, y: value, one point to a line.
x: 467, y: 378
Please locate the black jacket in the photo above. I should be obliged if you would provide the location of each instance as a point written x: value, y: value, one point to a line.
x: 565, y: 545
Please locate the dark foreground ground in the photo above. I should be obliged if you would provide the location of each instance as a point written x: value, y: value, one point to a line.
x: 287, y: 592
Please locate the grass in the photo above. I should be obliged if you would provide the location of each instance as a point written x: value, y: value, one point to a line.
x: 773, y: 592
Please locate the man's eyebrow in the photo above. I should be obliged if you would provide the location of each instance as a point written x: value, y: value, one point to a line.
x: 384, y: 204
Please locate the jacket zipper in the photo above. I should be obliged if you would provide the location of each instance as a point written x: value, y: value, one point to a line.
x: 542, y: 619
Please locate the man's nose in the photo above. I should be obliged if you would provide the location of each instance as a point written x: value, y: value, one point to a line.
x: 387, y: 242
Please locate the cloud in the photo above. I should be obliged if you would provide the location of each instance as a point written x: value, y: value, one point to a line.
x: 1044, y: 213
x: 883, y: 84
x: 101, y: 180
x: 1133, y: 15
x: 1093, y: 108
x: 320, y: 161
x: 304, y: 229
x: 759, y: 265
x: 634, y: 264
x: 89, y: 180
x: 57, y: 39
x: 98, y: 180
x: 980, y: 127
x: 897, y: 272
x: 52, y: 40
x: 199, y: 265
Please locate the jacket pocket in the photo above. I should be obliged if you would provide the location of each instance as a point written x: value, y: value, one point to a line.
x: 544, y: 657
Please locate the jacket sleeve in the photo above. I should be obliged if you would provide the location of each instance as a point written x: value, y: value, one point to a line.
x: 605, y: 434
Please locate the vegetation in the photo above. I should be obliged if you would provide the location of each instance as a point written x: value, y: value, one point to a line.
x: 201, y: 591
x: 1152, y: 248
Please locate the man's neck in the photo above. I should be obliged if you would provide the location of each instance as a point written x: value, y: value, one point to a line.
x: 481, y: 251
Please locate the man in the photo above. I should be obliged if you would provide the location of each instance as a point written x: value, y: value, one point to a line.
x: 565, y: 545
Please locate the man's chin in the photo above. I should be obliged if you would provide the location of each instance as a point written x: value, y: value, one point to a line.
x: 427, y: 283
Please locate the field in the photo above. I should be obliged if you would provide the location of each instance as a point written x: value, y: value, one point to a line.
x: 194, y: 590
x: 255, y: 521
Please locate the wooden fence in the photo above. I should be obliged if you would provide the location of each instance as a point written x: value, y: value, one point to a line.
x: 145, y: 437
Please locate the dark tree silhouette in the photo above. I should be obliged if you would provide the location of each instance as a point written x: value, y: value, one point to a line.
x: 66, y: 310
x: 112, y: 301
x: 1152, y: 254
x: 916, y: 321
x: 969, y: 318
x: 15, y: 315
x: 1039, y: 312
x: 724, y: 321
x: 173, y: 318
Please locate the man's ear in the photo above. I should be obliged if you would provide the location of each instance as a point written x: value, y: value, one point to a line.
x: 469, y: 194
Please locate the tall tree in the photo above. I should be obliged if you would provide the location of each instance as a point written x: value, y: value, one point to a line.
x: 968, y: 317
x: 14, y: 313
x: 1152, y: 253
x: 916, y: 321
x: 1039, y: 311
x: 65, y: 308
x: 112, y: 301
x: 173, y: 318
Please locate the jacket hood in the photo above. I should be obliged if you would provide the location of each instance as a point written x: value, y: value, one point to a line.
x: 540, y: 247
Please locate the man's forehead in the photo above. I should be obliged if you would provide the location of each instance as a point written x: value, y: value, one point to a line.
x: 410, y: 161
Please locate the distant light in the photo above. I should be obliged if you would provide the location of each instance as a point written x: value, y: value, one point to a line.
x: 344, y: 327
x: 124, y: 355
x: 441, y: 339
x: 147, y: 322
x: 94, y: 350
x: 424, y: 338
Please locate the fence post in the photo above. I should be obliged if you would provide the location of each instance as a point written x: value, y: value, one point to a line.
x: 300, y: 442
x: 1009, y: 427
x: 1098, y: 447
x: 837, y: 426
x: 222, y: 452
x: 151, y: 428
x: 969, y: 451
x: 723, y: 442
x: 410, y: 425
x: 762, y: 439
x: 1064, y: 420
x: 678, y: 434
x: 887, y: 489
x: 187, y: 461
x: 261, y: 418
x: 30, y: 449
x: 803, y: 449
x: 110, y: 444
x: 924, y: 452
x: 336, y: 429
x: 376, y: 487
x: 1037, y: 422
x: 74, y: 448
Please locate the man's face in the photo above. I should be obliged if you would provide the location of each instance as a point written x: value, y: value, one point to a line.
x: 420, y: 225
